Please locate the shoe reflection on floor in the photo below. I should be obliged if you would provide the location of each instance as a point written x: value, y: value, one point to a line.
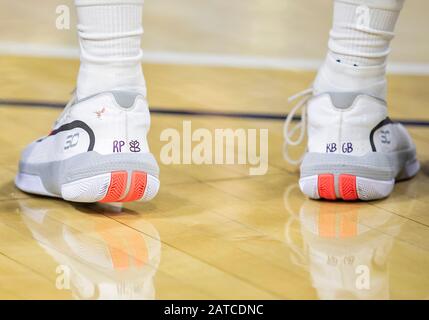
x: 105, y: 261
x: 344, y: 246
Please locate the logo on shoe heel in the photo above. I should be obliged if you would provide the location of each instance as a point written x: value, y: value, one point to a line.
x: 385, y: 136
x: 100, y: 113
x: 71, y: 141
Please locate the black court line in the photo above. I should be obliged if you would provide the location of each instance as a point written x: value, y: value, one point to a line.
x: 184, y: 112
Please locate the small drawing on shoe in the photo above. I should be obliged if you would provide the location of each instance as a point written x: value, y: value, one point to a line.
x: 100, y: 113
x: 135, y: 146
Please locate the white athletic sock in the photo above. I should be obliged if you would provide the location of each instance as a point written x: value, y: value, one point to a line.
x: 110, y: 46
x: 359, y: 44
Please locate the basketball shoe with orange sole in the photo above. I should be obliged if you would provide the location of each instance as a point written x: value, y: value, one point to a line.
x: 354, y: 150
x: 97, y: 152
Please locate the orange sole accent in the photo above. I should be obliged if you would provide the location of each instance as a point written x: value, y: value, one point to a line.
x: 326, y: 186
x: 118, y: 184
x: 137, y: 187
x: 347, y: 186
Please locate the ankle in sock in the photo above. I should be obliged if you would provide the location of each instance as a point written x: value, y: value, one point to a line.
x: 110, y: 46
x: 359, y: 45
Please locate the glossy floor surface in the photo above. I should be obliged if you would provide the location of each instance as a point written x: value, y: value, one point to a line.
x: 214, y: 231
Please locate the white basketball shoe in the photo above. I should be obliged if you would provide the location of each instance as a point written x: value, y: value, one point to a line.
x: 354, y: 150
x: 97, y: 151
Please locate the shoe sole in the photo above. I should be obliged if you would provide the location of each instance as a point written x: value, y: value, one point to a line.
x: 117, y: 186
x: 350, y: 187
x: 341, y: 182
x: 93, y: 177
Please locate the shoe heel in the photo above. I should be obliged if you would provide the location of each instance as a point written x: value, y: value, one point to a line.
x: 338, y: 176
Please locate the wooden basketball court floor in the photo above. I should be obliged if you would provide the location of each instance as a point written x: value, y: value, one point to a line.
x: 213, y: 231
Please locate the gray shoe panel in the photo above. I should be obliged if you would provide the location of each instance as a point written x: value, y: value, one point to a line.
x: 374, y: 165
x: 56, y: 173
x: 344, y: 100
x: 125, y: 99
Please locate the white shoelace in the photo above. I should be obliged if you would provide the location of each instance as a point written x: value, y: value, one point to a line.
x: 289, y: 132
